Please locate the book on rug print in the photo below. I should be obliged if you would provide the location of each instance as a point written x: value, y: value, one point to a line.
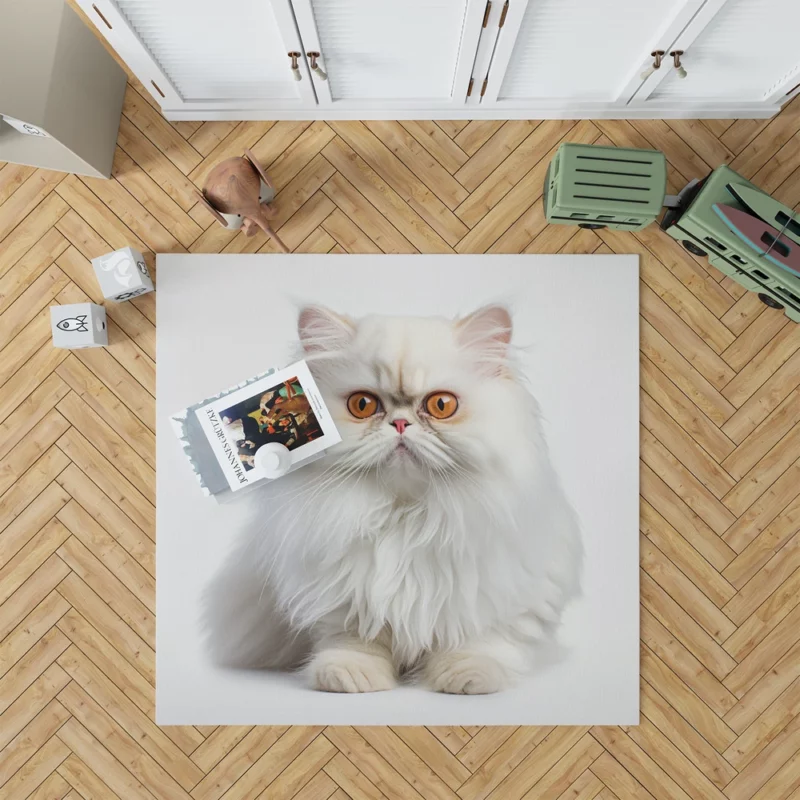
x: 221, y: 435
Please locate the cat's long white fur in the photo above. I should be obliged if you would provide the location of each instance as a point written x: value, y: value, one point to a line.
x: 453, y: 560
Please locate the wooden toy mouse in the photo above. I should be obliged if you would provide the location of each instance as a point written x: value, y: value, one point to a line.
x: 238, y: 193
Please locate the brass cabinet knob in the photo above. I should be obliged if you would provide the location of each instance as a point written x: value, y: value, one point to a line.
x: 657, y: 56
x: 295, y: 66
x: 676, y: 60
x: 313, y: 56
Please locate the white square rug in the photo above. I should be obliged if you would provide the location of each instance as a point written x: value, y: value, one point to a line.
x: 225, y: 318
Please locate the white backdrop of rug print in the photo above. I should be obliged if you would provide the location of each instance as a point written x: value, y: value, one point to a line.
x: 225, y: 318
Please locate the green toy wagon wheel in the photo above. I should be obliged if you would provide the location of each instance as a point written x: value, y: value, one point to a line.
x: 770, y: 301
x: 693, y: 248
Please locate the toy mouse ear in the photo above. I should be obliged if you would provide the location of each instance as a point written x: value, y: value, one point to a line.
x: 214, y: 213
x: 248, y: 154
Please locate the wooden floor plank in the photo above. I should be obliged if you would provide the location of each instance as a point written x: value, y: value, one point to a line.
x: 682, y: 555
x: 156, y: 164
x: 503, y: 762
x: 518, y: 191
x: 782, y: 675
x: 437, y: 143
x: 419, y: 161
x: 289, y: 146
x: 36, y: 296
x: 25, y: 199
x: 683, y: 680
x: 476, y: 133
x: 154, y: 198
x: 774, y: 720
x: 767, y: 591
x: 31, y: 738
x: 100, y: 615
x: 209, y: 135
x: 352, y: 781
x: 363, y: 215
x: 415, y: 211
x: 30, y: 267
x: 678, y: 151
x: 678, y: 732
x: 107, y: 586
x: 493, y: 152
x: 24, y: 710
x: 31, y: 629
x: 119, y: 743
x: 28, y: 233
x: 159, y: 131
x: 107, y: 773
x: 512, y: 170
x: 12, y: 176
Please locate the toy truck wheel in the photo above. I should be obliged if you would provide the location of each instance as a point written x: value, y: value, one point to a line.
x: 769, y: 301
x: 693, y: 248
x: 592, y: 226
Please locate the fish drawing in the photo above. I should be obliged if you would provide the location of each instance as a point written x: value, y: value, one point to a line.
x: 74, y: 324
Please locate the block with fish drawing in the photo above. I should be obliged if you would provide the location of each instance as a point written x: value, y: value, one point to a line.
x: 122, y: 275
x: 79, y: 325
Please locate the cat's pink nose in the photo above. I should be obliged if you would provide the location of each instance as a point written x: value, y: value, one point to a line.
x: 400, y: 424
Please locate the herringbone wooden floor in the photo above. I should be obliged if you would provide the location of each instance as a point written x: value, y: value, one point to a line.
x: 720, y: 468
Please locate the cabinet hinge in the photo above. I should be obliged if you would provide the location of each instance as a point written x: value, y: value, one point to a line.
x: 486, y: 13
x: 469, y: 88
x: 483, y: 88
x: 503, y: 15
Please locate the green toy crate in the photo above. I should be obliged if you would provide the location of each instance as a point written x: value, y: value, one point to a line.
x: 701, y: 231
x: 605, y: 187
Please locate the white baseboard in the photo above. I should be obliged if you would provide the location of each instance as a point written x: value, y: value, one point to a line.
x: 650, y: 111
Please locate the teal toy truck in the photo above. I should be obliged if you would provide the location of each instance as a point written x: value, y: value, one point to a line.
x: 625, y: 189
x: 700, y: 230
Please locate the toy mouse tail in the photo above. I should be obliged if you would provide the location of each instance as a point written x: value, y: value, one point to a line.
x: 267, y: 228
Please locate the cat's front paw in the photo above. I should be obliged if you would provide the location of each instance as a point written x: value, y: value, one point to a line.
x: 465, y: 673
x: 350, y: 671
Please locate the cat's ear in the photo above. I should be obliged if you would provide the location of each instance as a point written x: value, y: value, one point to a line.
x: 487, y: 333
x: 322, y: 330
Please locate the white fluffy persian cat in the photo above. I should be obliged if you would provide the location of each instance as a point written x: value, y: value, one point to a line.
x: 434, y: 543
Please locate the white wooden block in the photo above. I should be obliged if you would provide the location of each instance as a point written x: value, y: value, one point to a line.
x: 122, y: 274
x: 79, y: 325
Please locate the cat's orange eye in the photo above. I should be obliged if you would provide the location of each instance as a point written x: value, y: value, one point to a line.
x: 441, y: 405
x: 362, y: 404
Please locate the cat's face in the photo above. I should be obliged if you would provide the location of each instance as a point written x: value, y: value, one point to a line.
x: 418, y: 400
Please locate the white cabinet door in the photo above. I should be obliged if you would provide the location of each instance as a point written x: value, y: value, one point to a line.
x: 746, y: 51
x: 563, y: 53
x: 384, y: 54
x: 209, y: 54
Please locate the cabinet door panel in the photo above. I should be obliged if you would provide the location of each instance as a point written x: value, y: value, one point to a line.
x: 207, y: 53
x: 574, y: 51
x: 383, y: 52
x: 748, y: 51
